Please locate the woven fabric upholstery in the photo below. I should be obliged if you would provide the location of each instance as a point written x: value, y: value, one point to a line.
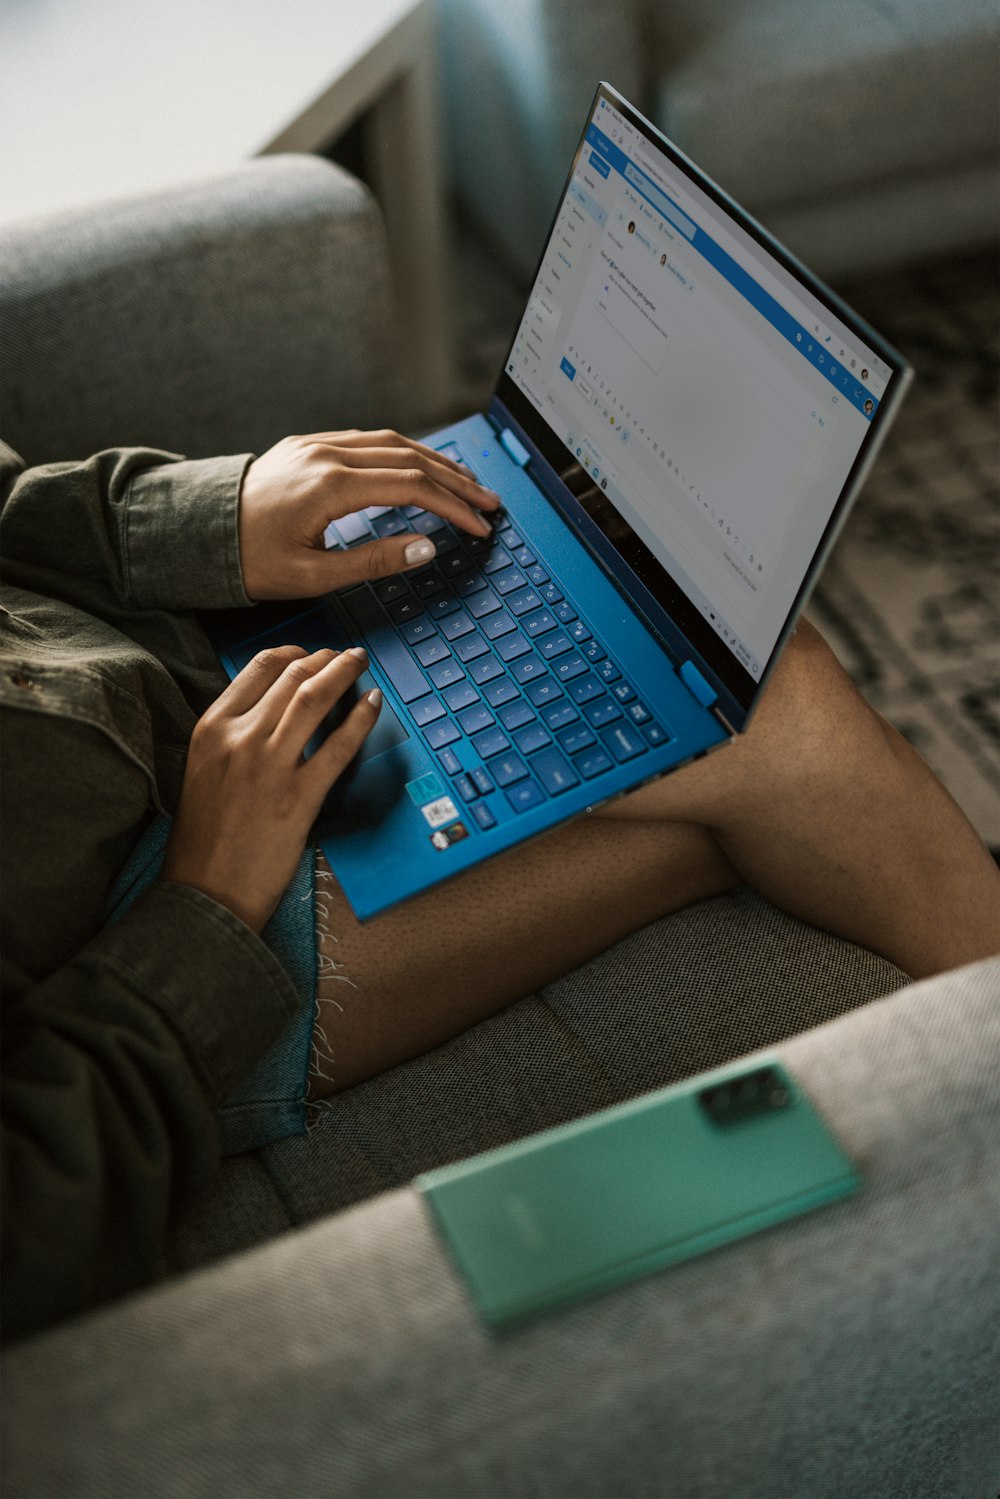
x: 700, y: 988
x: 212, y: 318
x: 848, y: 1352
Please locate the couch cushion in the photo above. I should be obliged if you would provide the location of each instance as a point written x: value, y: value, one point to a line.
x: 786, y: 101
x: 699, y: 988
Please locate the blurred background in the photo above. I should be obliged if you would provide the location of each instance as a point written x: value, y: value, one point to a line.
x: 863, y: 133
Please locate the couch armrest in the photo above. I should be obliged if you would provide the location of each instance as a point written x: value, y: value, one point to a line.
x: 849, y: 1351
x: 215, y: 317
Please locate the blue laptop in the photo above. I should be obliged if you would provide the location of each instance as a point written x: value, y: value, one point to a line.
x: 681, y: 423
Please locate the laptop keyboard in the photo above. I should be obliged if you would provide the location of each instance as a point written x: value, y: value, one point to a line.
x: 503, y: 676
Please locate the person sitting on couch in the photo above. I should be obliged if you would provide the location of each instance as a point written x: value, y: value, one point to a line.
x: 156, y: 821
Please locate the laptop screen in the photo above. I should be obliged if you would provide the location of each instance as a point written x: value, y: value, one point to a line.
x: 704, y: 399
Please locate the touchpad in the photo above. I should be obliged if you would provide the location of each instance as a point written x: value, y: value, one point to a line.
x: 388, y: 730
x: 313, y: 631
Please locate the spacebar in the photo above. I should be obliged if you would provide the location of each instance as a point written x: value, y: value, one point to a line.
x: 386, y: 648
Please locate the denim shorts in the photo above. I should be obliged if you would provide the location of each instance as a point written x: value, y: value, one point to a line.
x: 271, y: 1103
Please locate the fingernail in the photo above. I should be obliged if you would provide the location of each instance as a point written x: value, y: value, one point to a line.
x: 375, y: 698
x: 359, y: 651
x: 487, y: 529
x: 419, y: 551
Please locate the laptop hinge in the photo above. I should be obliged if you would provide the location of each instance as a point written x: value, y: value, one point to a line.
x: 697, y: 685
x: 515, y: 448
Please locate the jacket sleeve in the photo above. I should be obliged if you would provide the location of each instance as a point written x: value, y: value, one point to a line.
x: 131, y: 526
x: 112, y: 1068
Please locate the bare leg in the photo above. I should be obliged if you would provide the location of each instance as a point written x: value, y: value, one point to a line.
x: 821, y: 807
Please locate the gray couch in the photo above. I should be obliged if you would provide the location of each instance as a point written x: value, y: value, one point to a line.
x: 309, y: 1335
x: 861, y: 132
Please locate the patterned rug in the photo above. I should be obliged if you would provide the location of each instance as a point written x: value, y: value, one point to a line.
x: 910, y: 598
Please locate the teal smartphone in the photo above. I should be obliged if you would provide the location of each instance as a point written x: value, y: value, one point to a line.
x: 590, y: 1205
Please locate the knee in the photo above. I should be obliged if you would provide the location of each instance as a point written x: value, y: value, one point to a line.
x: 812, y: 711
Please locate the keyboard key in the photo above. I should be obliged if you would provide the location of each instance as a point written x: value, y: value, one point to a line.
x: 485, y: 669
x: 639, y: 713
x: 496, y: 561
x: 446, y: 603
x: 441, y: 733
x: 354, y: 528
x: 512, y: 539
x: 427, y: 523
x: 400, y: 611
x: 497, y: 625
x: 524, y: 602
x: 538, y: 575
x: 579, y: 632
x: 565, y: 612
x: 592, y: 763
x: 531, y: 738
x: 482, y: 604
x: 543, y: 692
x: 537, y: 624
x: 481, y: 779
x: 510, y: 581
x: 460, y: 696
x: 552, y: 596
x: 471, y: 648
x: 624, y: 742
x: 576, y: 738
x: 508, y: 768
x: 558, y: 715
x: 514, y: 715
x: 585, y: 690
x: 428, y: 584
x: 469, y: 583
x: 387, y: 590
x: 568, y: 667
x: 429, y: 652
x: 594, y: 651
x: 527, y: 669
x: 444, y: 673
x: 427, y: 710
x: 623, y: 692
x: 602, y: 712
x: 512, y: 646
x: 457, y: 625
x: 500, y: 692
x: 483, y: 816
x: 493, y: 742
x: 607, y: 671
x: 366, y: 616
x: 524, y: 557
x: 465, y: 788
x: 474, y: 720
x: 454, y: 564
x: 525, y: 796
x: 501, y: 521
x: 657, y: 734
x: 389, y: 524
x: 555, y: 773
x: 417, y: 630
x: 450, y: 763
x: 554, y: 645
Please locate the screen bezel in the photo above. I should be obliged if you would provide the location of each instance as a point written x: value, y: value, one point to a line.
x: 634, y: 568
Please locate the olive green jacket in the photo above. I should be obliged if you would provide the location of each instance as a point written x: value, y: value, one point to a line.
x: 118, y: 1042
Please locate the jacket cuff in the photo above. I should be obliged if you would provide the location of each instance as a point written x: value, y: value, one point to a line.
x: 211, y: 978
x: 181, y: 535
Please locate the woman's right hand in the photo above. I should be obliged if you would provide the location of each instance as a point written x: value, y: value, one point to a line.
x: 249, y: 796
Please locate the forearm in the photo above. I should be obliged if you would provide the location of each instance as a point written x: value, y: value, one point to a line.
x: 131, y: 527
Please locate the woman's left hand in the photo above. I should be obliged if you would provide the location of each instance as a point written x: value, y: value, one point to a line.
x: 294, y: 490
